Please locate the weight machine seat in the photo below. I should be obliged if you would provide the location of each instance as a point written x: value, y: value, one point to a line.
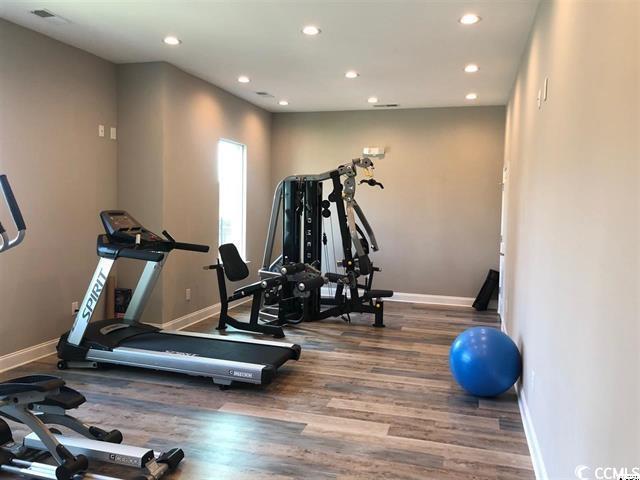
x: 234, y: 267
x: 68, y: 399
x: 30, y: 383
x: 372, y: 294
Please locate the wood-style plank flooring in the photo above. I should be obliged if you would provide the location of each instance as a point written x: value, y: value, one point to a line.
x: 360, y: 403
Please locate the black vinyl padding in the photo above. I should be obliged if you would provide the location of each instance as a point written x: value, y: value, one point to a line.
x: 219, y: 348
x: 234, y: 267
x: 312, y: 283
x: 30, y: 383
x: 378, y: 294
x: 363, y: 240
x: 365, y: 265
x: 68, y: 398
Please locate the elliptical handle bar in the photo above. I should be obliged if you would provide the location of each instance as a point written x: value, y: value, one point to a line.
x: 16, y: 214
x: 144, y: 255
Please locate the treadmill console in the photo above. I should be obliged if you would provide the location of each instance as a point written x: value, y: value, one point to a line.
x: 122, y: 227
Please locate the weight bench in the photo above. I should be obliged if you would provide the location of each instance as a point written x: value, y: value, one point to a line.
x: 233, y: 267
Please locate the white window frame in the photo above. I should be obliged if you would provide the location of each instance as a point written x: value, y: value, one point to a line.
x: 243, y: 247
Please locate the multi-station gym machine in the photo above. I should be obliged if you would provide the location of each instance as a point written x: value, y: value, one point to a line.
x: 305, y: 212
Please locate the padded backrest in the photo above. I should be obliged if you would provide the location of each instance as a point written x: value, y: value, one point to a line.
x: 364, y: 264
x: 363, y: 240
x: 234, y: 267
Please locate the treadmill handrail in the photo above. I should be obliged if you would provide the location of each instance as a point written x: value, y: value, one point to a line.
x: 114, y: 250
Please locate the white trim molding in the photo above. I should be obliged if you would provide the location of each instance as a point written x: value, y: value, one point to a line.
x: 27, y: 355
x: 431, y: 299
x: 425, y: 299
x: 532, y: 439
x: 197, y: 316
x: 190, y: 318
x: 527, y: 422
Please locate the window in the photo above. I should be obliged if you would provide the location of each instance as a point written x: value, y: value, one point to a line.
x: 231, y: 187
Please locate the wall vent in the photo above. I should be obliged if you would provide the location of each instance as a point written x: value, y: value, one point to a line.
x: 43, y: 13
x: 49, y: 16
x: 387, y: 105
x: 264, y: 94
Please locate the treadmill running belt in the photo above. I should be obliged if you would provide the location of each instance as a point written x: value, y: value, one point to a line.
x: 204, y: 347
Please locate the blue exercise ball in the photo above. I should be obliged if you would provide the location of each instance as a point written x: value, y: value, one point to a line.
x: 485, y: 361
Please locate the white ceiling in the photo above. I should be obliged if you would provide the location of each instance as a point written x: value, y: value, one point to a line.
x: 408, y: 52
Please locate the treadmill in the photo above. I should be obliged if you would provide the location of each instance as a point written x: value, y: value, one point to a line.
x: 129, y: 342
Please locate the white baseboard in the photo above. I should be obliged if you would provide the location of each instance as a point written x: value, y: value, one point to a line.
x: 532, y: 439
x: 190, y: 318
x: 431, y: 299
x: 27, y: 355
x: 197, y: 316
x: 425, y: 299
x: 31, y: 354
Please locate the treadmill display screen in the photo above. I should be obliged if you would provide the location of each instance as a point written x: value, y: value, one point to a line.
x: 123, y: 222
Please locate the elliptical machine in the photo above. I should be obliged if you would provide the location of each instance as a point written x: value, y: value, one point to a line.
x: 41, y: 400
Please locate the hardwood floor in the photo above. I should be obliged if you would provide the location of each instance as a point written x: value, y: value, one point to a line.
x: 360, y: 403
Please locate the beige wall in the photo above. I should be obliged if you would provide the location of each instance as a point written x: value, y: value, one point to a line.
x: 141, y: 121
x: 52, y: 98
x: 572, y: 258
x: 179, y: 120
x: 437, y: 220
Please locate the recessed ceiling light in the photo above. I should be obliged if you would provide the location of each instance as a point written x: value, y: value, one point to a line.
x: 311, y: 30
x: 243, y: 79
x: 171, y: 40
x: 284, y: 103
x: 469, y: 19
x: 372, y: 100
x: 352, y: 74
x: 471, y: 96
x: 471, y: 68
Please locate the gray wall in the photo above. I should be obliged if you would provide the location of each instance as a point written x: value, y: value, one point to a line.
x: 573, y: 218
x: 141, y: 122
x: 179, y: 119
x: 52, y: 98
x: 437, y: 220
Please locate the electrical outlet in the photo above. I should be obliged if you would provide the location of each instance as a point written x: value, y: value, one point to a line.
x: 74, y: 308
x: 545, y: 92
x: 187, y: 294
x: 101, y: 130
x: 113, y: 134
